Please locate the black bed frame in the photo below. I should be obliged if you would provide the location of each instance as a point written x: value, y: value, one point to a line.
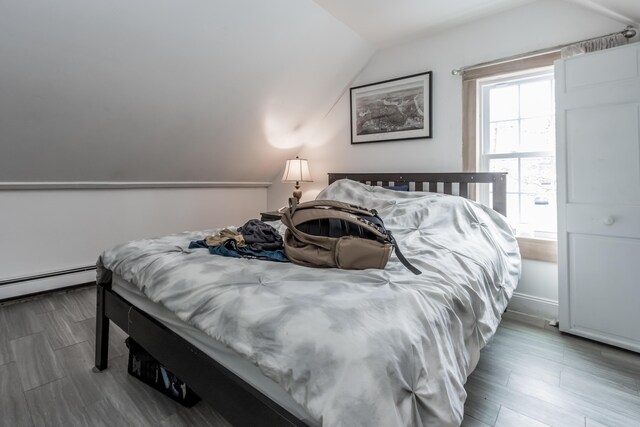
x: 429, y: 182
x: 236, y: 400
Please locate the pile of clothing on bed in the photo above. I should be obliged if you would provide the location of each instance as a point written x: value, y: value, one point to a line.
x: 255, y: 239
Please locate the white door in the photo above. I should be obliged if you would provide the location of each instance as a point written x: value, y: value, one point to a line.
x: 598, y: 155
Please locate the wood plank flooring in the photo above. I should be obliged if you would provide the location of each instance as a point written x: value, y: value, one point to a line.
x: 528, y: 375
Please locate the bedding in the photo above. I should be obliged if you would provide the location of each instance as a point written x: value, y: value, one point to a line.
x: 370, y: 347
x: 216, y: 350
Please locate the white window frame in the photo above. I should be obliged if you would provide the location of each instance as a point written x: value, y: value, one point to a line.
x: 538, y: 249
x: 483, y: 87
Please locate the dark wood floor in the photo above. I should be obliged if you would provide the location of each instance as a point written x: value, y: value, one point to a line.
x: 529, y: 375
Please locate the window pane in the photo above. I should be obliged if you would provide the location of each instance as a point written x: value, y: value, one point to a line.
x: 510, y: 166
x: 503, y: 103
x: 538, y: 175
x: 538, y: 183
x: 519, y: 118
x: 536, y: 99
x: 503, y: 137
x: 538, y: 214
x: 538, y: 134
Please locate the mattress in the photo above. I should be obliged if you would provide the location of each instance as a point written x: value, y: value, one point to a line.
x: 216, y: 350
x: 368, y: 347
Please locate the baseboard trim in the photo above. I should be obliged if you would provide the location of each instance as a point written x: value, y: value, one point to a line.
x: 29, y: 287
x: 532, y: 305
x: 47, y: 275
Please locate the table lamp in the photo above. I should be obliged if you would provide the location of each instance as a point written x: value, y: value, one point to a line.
x: 297, y: 170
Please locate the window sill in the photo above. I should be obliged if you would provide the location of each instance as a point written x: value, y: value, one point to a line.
x: 538, y: 249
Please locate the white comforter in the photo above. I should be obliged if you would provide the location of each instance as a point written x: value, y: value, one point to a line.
x: 355, y: 348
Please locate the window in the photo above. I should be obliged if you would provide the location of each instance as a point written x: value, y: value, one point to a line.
x: 517, y: 135
x: 508, y: 125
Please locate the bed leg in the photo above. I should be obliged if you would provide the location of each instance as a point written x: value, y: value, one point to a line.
x: 102, y: 332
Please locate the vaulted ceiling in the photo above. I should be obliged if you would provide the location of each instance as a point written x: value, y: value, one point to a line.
x: 623, y: 10
x: 384, y: 22
x: 164, y: 90
x: 193, y: 90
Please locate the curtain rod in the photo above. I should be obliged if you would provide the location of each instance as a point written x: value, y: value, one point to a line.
x: 628, y: 32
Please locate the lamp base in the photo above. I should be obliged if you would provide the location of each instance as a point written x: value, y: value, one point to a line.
x: 297, y: 193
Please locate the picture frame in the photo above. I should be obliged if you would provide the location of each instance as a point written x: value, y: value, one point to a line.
x: 392, y: 110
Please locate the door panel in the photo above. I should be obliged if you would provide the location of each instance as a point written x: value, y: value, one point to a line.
x: 604, y: 285
x: 603, y: 143
x: 589, y: 70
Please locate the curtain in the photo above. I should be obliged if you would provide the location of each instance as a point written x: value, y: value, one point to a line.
x: 593, y: 45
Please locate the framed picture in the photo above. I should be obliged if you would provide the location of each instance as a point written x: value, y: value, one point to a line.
x: 392, y: 110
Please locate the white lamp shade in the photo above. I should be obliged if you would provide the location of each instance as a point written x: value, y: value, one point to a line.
x: 297, y: 170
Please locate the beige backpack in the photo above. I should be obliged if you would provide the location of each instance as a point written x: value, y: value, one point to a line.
x: 328, y: 233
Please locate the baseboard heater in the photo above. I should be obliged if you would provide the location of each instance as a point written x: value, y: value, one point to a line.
x: 48, y: 275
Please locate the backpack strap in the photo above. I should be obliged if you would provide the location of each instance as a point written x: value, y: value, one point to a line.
x: 401, y: 257
x: 318, y: 204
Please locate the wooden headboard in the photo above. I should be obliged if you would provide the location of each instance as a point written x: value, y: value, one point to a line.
x: 417, y: 181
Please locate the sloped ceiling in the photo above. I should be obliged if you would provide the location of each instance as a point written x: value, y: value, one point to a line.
x: 384, y: 22
x: 192, y: 90
x: 165, y: 90
x: 622, y: 10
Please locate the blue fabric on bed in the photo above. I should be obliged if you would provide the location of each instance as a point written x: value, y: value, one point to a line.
x: 401, y: 187
x: 230, y: 249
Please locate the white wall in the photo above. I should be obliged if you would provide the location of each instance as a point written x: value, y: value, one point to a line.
x: 537, y: 292
x: 164, y: 90
x: 539, y: 25
x: 47, y: 230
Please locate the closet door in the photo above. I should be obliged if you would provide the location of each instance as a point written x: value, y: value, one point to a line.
x: 598, y: 155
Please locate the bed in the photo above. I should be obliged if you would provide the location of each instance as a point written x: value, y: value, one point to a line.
x: 269, y: 344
